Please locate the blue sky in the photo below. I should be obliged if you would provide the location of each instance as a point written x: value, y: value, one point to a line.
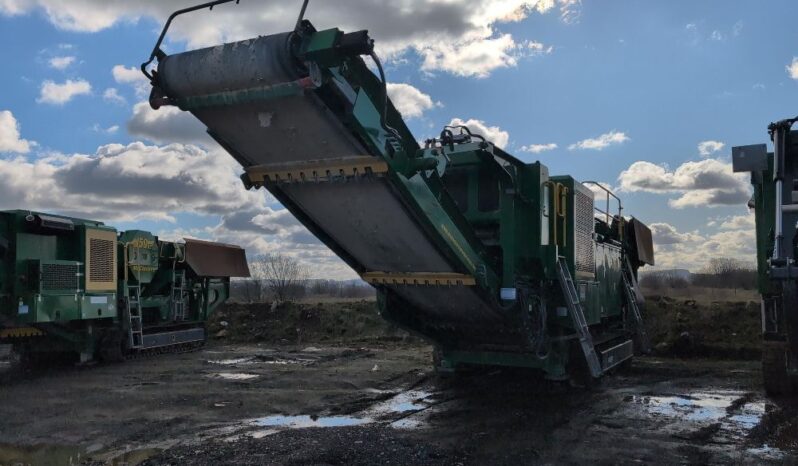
x: 625, y: 90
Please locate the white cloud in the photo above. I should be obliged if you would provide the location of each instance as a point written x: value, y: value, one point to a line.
x: 59, y: 94
x: 792, y: 68
x: 137, y: 182
x: 707, y: 148
x: 493, y: 134
x: 600, y: 196
x: 112, y: 95
x: 601, y: 142
x: 538, y: 148
x: 737, y: 28
x: 61, y: 63
x: 127, y: 182
x: 738, y: 222
x: 717, y: 35
x: 125, y: 75
x: 167, y: 124
x: 109, y: 130
x: 479, y: 58
x: 674, y: 249
x: 411, y: 102
x: 665, y: 233
x: 10, y: 140
x: 133, y: 77
x: 457, y: 36
x: 708, y: 182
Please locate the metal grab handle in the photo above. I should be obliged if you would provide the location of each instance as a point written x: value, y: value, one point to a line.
x: 559, y: 196
x: 156, y: 51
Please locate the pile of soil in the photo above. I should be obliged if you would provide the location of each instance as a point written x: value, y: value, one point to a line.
x: 676, y: 327
x: 687, y: 328
x: 301, y: 323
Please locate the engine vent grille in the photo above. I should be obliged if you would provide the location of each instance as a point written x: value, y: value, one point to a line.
x: 101, y: 265
x: 59, y: 277
x: 584, y: 260
x: 100, y: 260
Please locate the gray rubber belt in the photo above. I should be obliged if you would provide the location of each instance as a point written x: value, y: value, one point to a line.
x: 364, y: 216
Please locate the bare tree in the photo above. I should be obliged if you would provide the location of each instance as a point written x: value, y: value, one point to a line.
x: 283, y: 276
x: 727, y: 272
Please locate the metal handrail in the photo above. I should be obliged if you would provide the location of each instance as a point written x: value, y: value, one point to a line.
x: 156, y: 51
x: 609, y: 194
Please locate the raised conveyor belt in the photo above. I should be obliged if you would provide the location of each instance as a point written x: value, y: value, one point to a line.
x: 365, y: 217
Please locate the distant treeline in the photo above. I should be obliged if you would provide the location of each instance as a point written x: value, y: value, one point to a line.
x: 278, y: 278
x: 719, y: 273
x: 253, y: 290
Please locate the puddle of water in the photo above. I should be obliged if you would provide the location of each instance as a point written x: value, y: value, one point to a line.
x: 696, y: 407
x: 230, y: 362
x: 703, y: 409
x: 411, y: 400
x: 302, y: 421
x: 748, y: 416
x: 259, y: 360
x: 407, y: 403
x: 767, y: 452
x: 262, y: 433
x: 407, y: 423
x: 235, y: 375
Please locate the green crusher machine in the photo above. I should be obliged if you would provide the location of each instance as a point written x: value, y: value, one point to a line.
x: 774, y: 176
x: 69, y: 285
x: 492, y: 259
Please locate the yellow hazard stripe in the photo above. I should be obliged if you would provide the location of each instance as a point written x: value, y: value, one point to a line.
x: 20, y: 332
x: 313, y: 170
x: 419, y: 278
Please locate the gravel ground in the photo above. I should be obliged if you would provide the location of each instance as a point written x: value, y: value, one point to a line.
x: 303, y: 394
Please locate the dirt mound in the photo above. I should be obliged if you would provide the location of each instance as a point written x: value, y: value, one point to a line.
x: 289, y: 323
x: 677, y: 327
x: 687, y: 328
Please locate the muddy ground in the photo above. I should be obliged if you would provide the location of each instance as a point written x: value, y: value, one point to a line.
x: 370, y: 398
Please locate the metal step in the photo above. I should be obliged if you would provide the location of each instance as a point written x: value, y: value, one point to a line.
x: 616, y: 354
x: 157, y: 340
x: 578, y: 318
x: 631, y: 290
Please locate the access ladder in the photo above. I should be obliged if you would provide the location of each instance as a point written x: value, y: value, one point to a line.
x: 178, y: 298
x: 578, y: 317
x: 135, y: 324
x: 631, y: 289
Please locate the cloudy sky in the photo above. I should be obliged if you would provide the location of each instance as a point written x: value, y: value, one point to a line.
x: 646, y: 97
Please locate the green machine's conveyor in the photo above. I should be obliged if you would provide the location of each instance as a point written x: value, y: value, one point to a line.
x: 308, y: 120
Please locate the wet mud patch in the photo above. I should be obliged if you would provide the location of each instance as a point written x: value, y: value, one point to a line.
x: 723, y: 417
x: 357, y: 445
x: 401, y: 410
